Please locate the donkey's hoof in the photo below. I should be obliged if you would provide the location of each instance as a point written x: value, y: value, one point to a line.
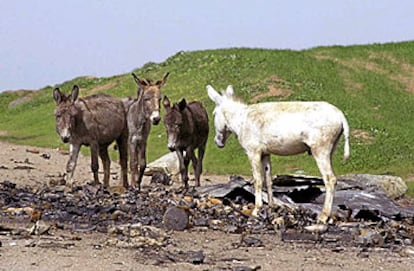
x: 134, y: 188
x: 323, y: 218
x: 68, y: 189
x: 182, y: 189
x: 255, y: 212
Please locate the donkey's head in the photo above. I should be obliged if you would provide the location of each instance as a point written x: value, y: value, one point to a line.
x: 151, y: 97
x: 65, y: 113
x: 220, y: 121
x: 173, y: 121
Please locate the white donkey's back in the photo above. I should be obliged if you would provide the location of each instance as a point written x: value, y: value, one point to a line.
x: 287, y: 128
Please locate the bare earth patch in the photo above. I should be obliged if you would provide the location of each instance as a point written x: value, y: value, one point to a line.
x: 63, y: 249
x: 363, y: 136
x: 275, y: 89
x: 403, y: 76
x: 101, y: 88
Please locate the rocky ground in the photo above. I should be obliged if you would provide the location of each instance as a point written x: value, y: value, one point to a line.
x: 29, y: 243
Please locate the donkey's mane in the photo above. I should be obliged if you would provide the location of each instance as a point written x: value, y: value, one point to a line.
x: 234, y: 98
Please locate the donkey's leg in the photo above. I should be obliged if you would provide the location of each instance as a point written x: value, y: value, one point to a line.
x: 257, y: 169
x: 199, y: 169
x: 123, y: 159
x: 95, y: 162
x: 267, y: 168
x: 184, y: 178
x: 188, y: 155
x: 268, y: 178
x: 142, y: 161
x: 71, y: 165
x: 133, y: 163
x: 324, y: 162
x: 106, y: 162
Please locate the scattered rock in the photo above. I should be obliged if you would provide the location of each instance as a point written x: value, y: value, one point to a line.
x: 35, y: 151
x: 246, y: 268
x: 195, y: 257
x: 40, y: 228
x: 138, y: 218
x: 161, y: 178
x: 251, y: 242
x: 316, y: 228
x: 23, y: 167
x: 176, y: 218
x: 136, y: 236
x: 45, y: 156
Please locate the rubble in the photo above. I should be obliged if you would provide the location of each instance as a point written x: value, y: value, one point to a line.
x: 364, y: 218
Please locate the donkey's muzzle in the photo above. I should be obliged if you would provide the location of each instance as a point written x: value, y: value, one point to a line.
x: 219, y: 142
x: 155, y: 117
x: 171, y: 147
x: 156, y: 120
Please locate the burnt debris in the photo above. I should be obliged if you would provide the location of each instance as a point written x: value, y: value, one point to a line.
x: 366, y: 218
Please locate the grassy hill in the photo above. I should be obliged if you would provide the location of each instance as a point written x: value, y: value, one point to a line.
x: 373, y: 85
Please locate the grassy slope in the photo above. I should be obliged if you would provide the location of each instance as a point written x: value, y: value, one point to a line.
x: 372, y: 84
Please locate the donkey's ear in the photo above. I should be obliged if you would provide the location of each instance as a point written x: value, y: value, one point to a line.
x: 57, y: 95
x: 229, y: 90
x: 163, y: 81
x: 75, y: 93
x: 214, y: 95
x: 166, y: 103
x: 140, y: 93
x: 138, y: 81
x: 182, y: 104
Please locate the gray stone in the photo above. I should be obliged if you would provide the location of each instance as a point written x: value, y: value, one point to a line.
x: 166, y: 164
x: 393, y: 186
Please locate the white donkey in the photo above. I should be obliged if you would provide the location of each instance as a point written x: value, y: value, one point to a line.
x: 281, y: 128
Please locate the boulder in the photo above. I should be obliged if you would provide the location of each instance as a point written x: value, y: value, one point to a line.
x: 393, y: 186
x: 166, y: 164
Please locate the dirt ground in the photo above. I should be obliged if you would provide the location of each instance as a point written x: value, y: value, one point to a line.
x: 66, y: 250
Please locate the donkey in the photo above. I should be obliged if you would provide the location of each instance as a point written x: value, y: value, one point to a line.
x: 281, y: 128
x: 187, y: 130
x: 141, y: 112
x: 94, y: 121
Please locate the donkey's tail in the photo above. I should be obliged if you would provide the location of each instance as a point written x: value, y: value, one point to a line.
x: 345, y: 128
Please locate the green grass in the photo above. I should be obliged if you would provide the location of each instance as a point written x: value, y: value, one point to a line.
x: 410, y: 192
x: 371, y: 84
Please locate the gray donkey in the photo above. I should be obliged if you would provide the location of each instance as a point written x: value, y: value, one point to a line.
x: 94, y: 121
x: 187, y: 130
x: 141, y: 113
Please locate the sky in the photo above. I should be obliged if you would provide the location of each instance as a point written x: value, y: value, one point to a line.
x: 47, y: 42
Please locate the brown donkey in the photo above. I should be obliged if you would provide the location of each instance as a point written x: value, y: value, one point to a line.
x: 187, y: 130
x: 141, y: 112
x: 94, y: 121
